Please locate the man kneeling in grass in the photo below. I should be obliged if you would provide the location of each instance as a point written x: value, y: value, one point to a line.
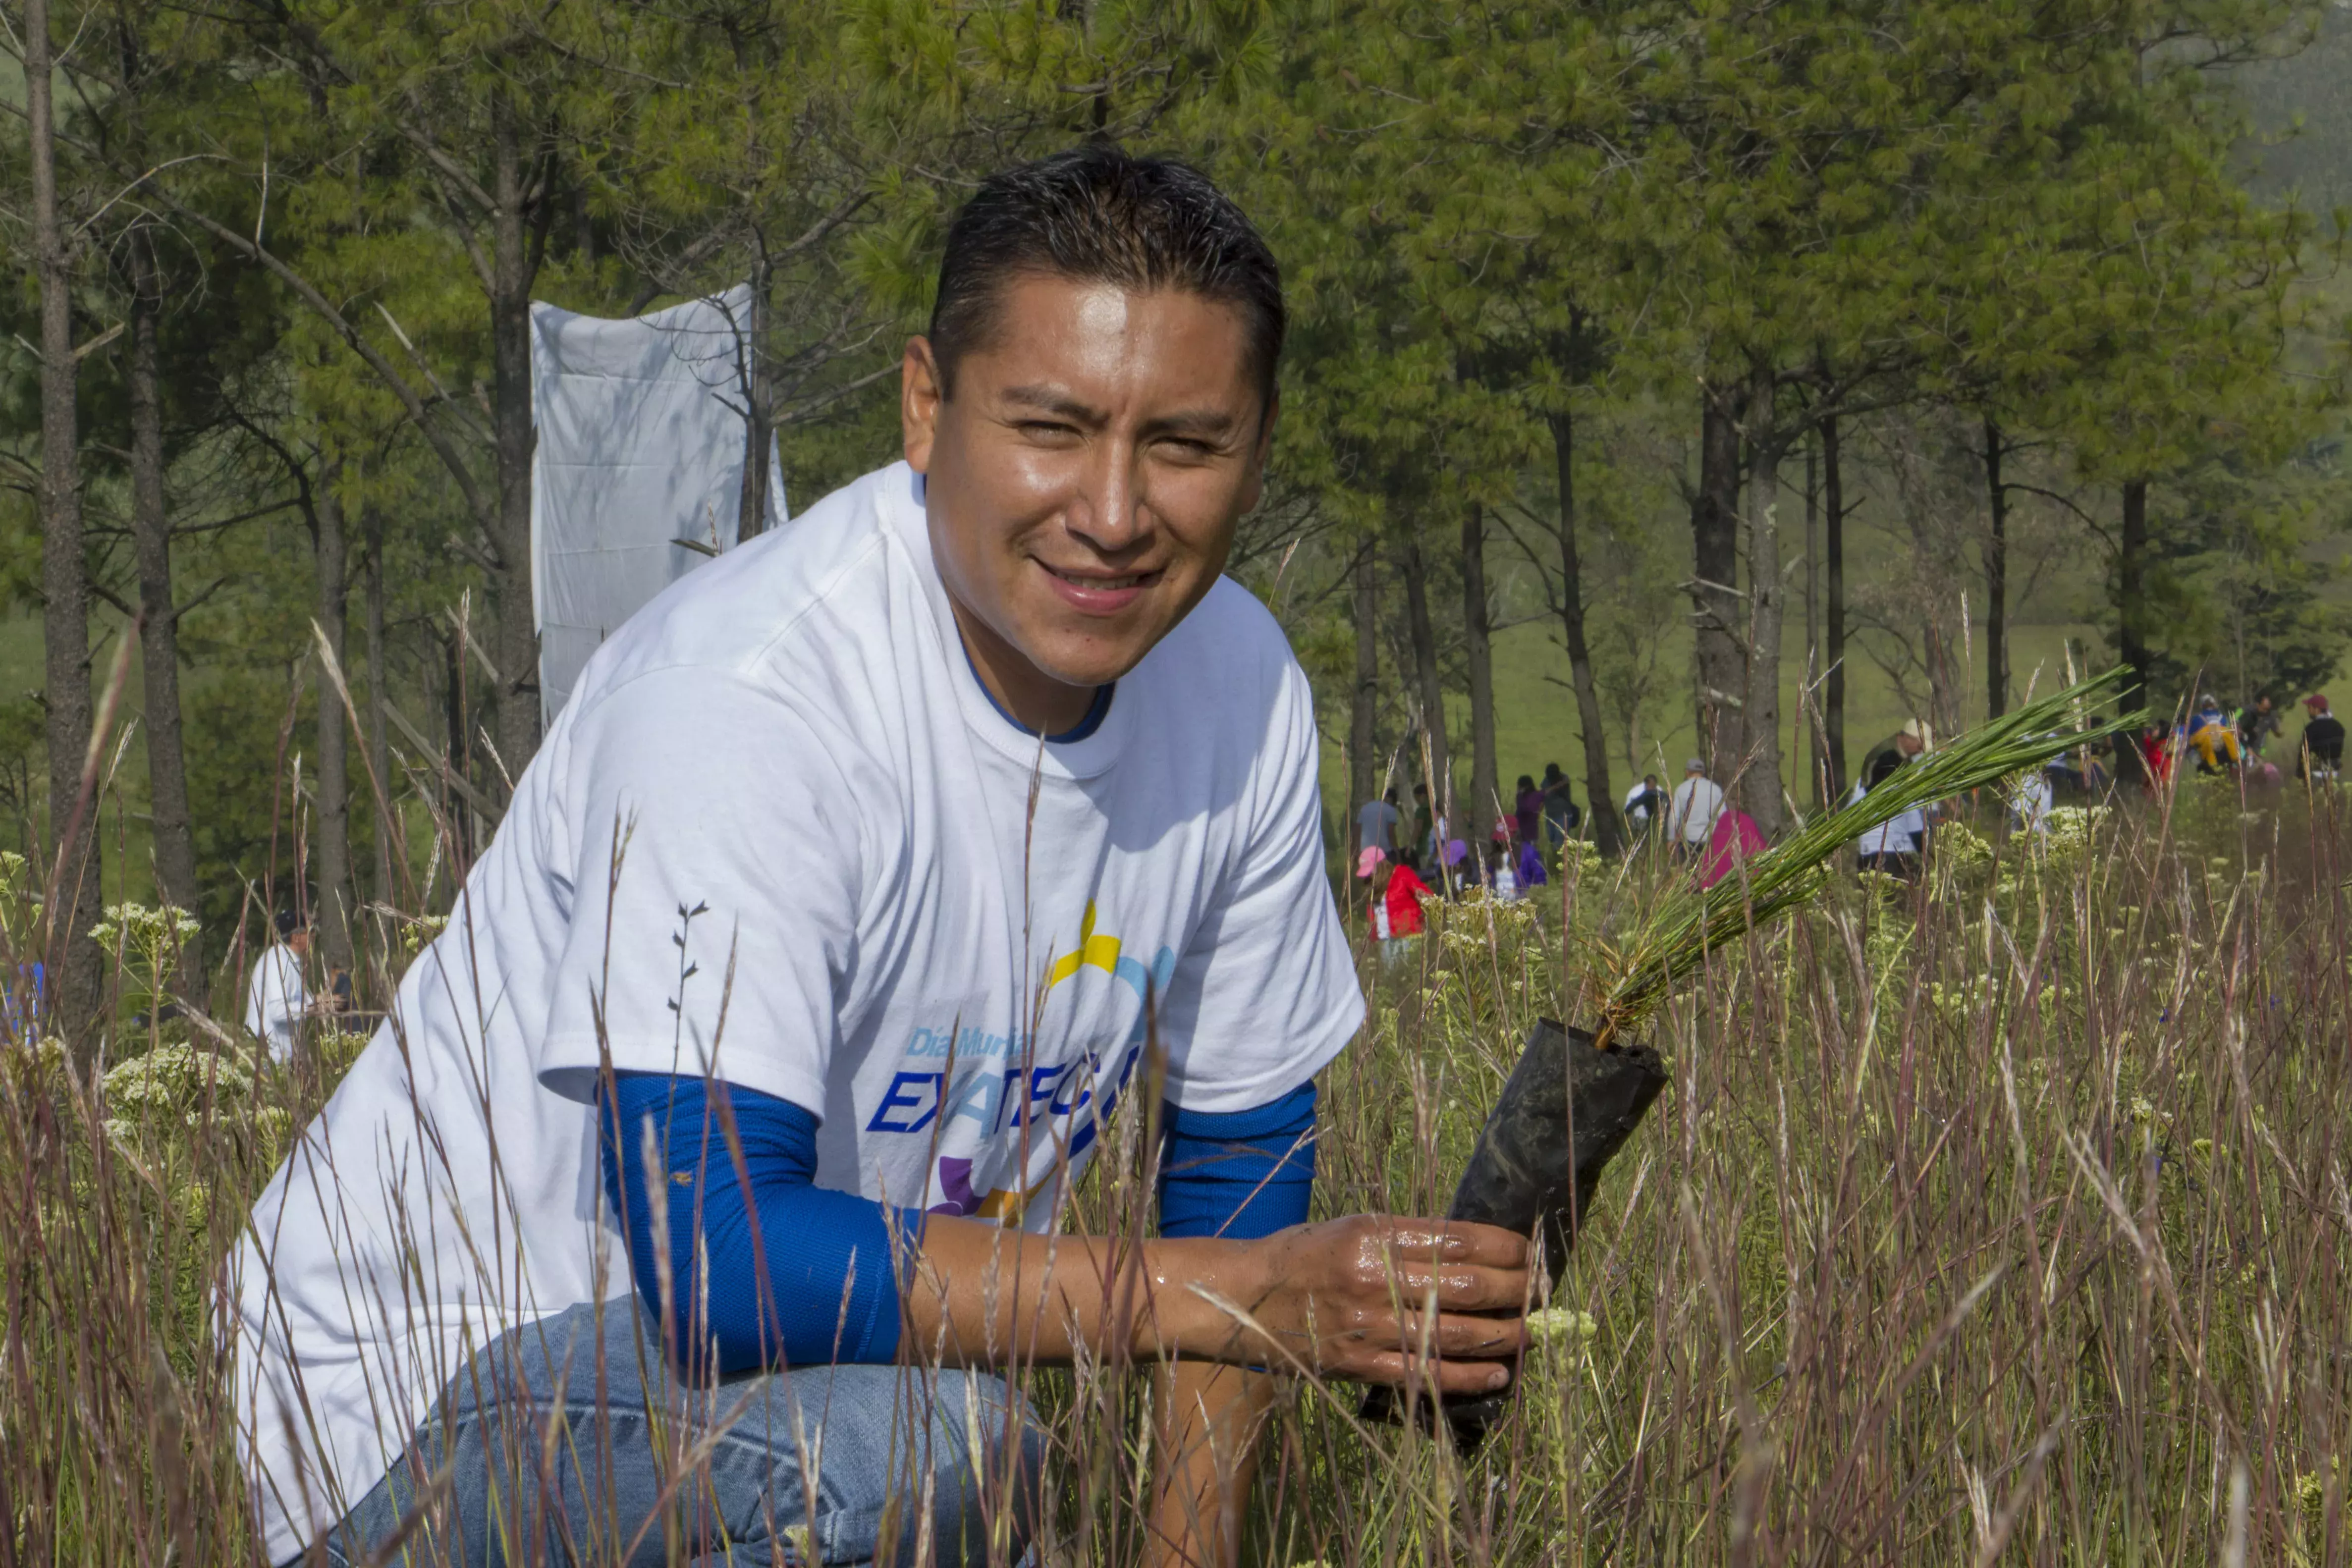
x: 816, y: 954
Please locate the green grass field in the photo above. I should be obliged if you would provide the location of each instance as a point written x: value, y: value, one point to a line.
x: 2000, y: 1220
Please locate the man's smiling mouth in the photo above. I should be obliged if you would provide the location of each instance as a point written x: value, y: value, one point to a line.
x: 1104, y: 585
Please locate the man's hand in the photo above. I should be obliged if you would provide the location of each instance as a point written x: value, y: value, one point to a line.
x: 1372, y: 1297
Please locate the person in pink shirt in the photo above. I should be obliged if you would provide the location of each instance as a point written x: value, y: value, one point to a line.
x: 1736, y: 838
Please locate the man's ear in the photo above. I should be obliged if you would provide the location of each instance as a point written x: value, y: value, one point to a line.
x: 919, y: 397
x: 1256, y: 488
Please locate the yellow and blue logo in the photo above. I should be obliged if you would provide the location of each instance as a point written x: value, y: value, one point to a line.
x: 998, y: 1086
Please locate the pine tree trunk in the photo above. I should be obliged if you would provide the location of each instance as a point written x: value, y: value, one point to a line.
x: 1808, y: 713
x: 454, y: 714
x: 1363, y: 709
x: 1761, y: 787
x: 1832, y: 610
x: 758, y: 413
x: 159, y: 645
x: 330, y: 904
x: 74, y: 961
x: 512, y: 268
x: 1433, y: 688
x: 380, y: 758
x: 1600, y: 794
x: 1996, y: 579
x: 1715, y: 539
x: 1485, y: 783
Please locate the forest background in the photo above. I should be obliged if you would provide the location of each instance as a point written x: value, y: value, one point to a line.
x: 1666, y: 376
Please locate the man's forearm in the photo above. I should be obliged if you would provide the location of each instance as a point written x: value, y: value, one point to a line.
x: 1208, y: 1419
x: 984, y: 1296
x: 1343, y: 1298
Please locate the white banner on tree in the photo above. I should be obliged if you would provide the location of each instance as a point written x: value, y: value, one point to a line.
x: 638, y: 473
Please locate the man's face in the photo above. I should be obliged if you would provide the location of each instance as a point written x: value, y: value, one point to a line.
x: 300, y: 942
x: 1908, y: 744
x: 1084, y: 478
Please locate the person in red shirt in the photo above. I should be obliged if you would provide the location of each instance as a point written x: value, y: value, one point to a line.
x: 1395, y: 912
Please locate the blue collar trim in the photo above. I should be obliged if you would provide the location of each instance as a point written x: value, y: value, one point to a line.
x: 1087, y: 725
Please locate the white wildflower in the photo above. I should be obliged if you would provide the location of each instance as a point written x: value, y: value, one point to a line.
x: 1562, y: 1325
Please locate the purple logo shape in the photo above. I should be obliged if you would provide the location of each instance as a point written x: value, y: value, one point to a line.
x: 955, y: 1181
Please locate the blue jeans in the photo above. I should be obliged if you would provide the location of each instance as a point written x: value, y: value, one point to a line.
x: 560, y: 1450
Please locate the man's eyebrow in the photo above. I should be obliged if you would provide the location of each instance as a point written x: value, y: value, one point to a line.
x: 1054, y: 400
x: 1203, y: 421
x: 1208, y: 421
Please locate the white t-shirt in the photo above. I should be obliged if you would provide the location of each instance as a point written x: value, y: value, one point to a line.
x: 274, y: 999
x: 2030, y: 802
x: 1697, y: 803
x: 1376, y: 827
x: 831, y: 887
x: 1903, y: 833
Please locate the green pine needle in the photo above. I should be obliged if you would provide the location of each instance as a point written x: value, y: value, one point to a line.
x: 1675, y: 939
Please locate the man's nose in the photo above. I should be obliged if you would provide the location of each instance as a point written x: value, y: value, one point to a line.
x: 1112, y: 511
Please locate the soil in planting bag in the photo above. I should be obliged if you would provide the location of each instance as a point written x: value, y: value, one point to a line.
x: 1565, y: 1111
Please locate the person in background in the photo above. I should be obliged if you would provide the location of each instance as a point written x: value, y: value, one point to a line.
x: 1397, y: 892
x: 1646, y: 804
x: 1736, y: 838
x: 2088, y: 777
x: 1377, y: 823
x: 1424, y: 822
x: 1529, y: 809
x: 1561, y: 816
x: 2156, y: 754
x: 1905, y: 744
x: 2030, y: 798
x: 1453, y: 871
x: 2257, y: 721
x: 1690, y: 816
x: 2213, y: 737
x: 1498, y: 864
x: 276, y: 998
x: 1893, y: 847
x: 1531, y: 866
x: 2321, y: 748
x: 20, y: 1005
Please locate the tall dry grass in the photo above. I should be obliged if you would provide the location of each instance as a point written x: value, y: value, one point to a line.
x: 2002, y: 1219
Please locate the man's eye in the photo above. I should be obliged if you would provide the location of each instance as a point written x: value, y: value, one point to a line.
x: 1047, y: 429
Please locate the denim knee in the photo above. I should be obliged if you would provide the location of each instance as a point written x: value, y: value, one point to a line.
x: 865, y: 1464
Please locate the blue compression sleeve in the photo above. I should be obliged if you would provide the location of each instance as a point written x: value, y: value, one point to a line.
x: 1240, y: 1174
x: 829, y: 1292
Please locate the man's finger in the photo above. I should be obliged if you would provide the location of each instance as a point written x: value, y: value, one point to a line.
x: 1454, y: 1335
x: 1457, y: 1241
x: 1466, y: 1289
x: 1397, y: 1368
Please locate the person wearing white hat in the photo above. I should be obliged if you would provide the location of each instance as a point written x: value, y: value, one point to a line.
x: 1697, y: 803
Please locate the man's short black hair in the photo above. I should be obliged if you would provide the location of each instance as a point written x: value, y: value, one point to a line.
x: 288, y: 922
x: 1096, y: 215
